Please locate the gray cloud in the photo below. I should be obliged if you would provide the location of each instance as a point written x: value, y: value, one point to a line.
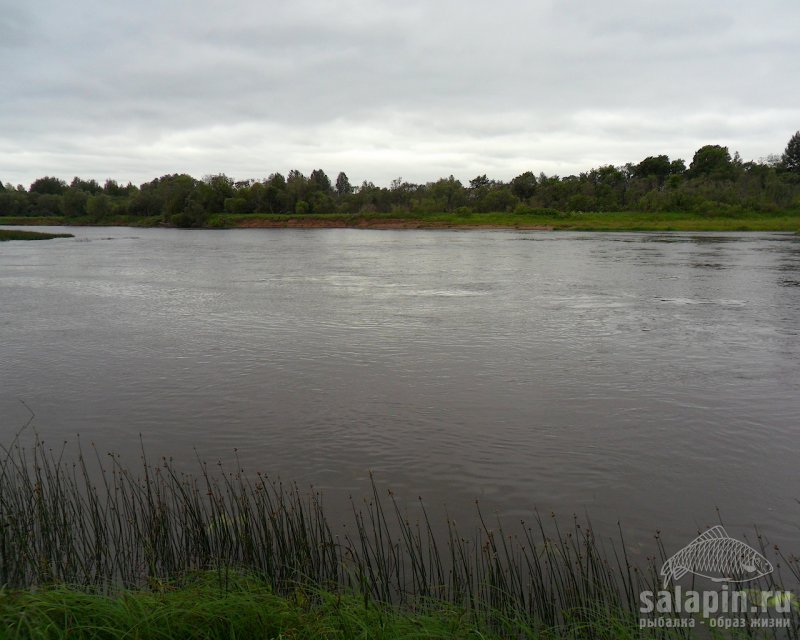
x: 383, y: 89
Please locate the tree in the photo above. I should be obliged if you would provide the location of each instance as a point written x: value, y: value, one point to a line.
x: 275, y: 198
x: 497, y: 200
x: 656, y: 166
x: 401, y: 194
x: 370, y: 198
x: 319, y: 181
x: 524, y: 185
x: 320, y: 202
x: 479, y: 187
x: 790, y: 160
x: 448, y: 193
x: 343, y: 187
x: 98, y: 206
x: 175, y: 191
x: 113, y: 189
x: 608, y: 188
x: 74, y: 202
x: 712, y: 161
x: 677, y: 167
x: 13, y: 203
x: 237, y: 204
x: 607, y: 175
x: 296, y: 189
x: 48, y: 204
x: 144, y: 202
x: 277, y: 180
x: 214, y: 191
x: 191, y: 217
x: 479, y: 182
x: 48, y: 185
x: 88, y: 186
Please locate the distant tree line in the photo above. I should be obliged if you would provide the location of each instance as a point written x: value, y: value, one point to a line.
x: 714, y: 182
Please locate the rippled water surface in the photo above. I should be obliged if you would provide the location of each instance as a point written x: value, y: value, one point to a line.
x: 649, y: 379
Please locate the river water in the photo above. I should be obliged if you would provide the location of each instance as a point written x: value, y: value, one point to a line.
x: 650, y: 379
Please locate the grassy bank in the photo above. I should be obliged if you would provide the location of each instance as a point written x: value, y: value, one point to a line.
x: 226, y: 606
x: 58, y: 221
x: 101, y: 527
x: 543, y: 219
x: 617, y: 221
x: 630, y: 221
x: 15, y: 234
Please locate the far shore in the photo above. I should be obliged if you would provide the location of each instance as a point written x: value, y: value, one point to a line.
x: 370, y: 223
x: 787, y: 221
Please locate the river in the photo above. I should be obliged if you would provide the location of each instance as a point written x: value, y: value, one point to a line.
x: 650, y: 379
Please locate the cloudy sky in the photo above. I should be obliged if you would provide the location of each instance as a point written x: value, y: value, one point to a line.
x: 379, y: 89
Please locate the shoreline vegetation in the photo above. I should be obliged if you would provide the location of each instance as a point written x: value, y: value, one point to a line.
x: 18, y: 234
x: 544, y: 221
x: 90, y: 548
x: 229, y: 605
x: 717, y: 191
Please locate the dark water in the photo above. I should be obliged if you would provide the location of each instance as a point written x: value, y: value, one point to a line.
x: 649, y: 379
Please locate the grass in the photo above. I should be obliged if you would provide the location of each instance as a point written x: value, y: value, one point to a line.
x: 15, y: 234
x: 224, y: 606
x: 33, y: 220
x: 610, y: 221
x: 632, y: 221
x: 128, y: 542
x: 84, y: 221
x: 235, y: 605
x: 578, y: 221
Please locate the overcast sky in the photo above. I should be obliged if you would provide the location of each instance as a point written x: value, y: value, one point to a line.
x: 413, y: 89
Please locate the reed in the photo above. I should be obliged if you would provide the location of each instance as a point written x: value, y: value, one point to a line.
x: 92, y: 522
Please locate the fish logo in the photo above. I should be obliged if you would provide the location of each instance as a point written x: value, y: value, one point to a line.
x: 718, y: 557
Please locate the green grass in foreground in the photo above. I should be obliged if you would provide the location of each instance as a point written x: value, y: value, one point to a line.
x: 75, y: 529
x: 15, y: 234
x: 243, y: 608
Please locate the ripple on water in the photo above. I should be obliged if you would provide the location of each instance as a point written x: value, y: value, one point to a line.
x: 648, y: 379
